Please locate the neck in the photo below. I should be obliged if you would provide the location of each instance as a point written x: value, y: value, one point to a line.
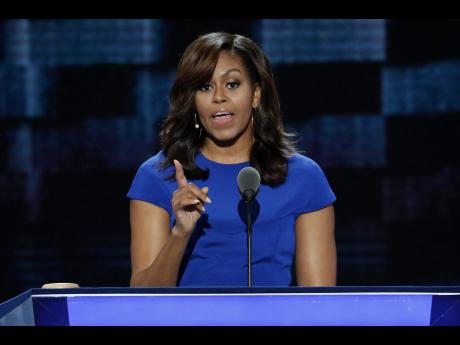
x: 227, y: 152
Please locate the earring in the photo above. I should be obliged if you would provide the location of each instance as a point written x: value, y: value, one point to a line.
x: 196, y: 123
x: 197, y: 126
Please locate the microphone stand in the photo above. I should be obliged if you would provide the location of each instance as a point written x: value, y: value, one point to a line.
x: 248, y: 185
x: 249, y: 233
x: 248, y: 200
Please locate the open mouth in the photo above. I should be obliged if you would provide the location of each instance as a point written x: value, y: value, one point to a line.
x: 222, y: 115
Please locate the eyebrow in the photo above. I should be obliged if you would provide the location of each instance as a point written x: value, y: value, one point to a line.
x: 230, y: 71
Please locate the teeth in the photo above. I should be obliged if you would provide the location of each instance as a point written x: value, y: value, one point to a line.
x: 221, y: 114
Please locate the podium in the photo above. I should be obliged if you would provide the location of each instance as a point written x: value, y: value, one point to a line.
x: 271, y: 306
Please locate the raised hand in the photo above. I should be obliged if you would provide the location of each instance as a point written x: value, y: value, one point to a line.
x: 187, y: 201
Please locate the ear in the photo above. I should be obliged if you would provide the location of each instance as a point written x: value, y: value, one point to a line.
x: 256, y: 96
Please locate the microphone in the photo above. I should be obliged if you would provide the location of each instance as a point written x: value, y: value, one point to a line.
x: 248, y: 183
x: 248, y: 186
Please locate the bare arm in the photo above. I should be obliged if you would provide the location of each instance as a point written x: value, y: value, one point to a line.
x: 156, y: 251
x: 316, y: 256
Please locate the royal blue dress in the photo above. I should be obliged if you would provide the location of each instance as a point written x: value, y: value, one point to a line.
x: 216, y: 254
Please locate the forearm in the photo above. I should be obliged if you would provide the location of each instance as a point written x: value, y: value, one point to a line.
x: 316, y: 253
x: 319, y: 266
x: 165, y: 268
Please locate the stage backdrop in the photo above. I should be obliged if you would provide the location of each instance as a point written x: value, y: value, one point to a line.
x: 375, y: 102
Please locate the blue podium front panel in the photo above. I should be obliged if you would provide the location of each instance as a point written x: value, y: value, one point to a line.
x: 238, y: 309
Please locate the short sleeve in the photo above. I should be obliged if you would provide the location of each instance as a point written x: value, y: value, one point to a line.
x: 148, y: 186
x: 314, y: 191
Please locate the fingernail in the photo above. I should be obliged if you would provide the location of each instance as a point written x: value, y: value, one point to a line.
x: 208, y: 200
x: 196, y: 201
x: 204, y: 210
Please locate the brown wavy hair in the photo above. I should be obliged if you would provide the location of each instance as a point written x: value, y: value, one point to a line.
x: 179, y: 138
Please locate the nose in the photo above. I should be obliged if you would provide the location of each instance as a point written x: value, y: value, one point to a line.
x: 219, y: 96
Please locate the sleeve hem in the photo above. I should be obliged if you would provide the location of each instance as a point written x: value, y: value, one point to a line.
x: 316, y: 208
x: 151, y: 202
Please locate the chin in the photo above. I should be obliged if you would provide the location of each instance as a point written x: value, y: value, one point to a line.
x: 224, y: 137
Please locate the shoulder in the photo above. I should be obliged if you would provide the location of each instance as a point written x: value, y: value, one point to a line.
x: 150, y: 184
x: 153, y: 164
x: 151, y: 169
x: 299, y: 163
x: 303, y: 169
x: 310, y: 186
x: 154, y: 161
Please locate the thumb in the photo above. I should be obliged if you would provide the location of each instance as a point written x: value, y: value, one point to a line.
x: 206, y: 190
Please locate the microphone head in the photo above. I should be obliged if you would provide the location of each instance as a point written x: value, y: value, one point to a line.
x: 248, y: 183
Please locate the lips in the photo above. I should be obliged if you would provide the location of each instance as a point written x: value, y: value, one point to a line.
x: 221, y: 114
x: 222, y: 117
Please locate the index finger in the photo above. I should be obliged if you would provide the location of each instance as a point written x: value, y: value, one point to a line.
x: 180, y: 176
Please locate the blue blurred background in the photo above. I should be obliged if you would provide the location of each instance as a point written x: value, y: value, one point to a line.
x: 375, y: 102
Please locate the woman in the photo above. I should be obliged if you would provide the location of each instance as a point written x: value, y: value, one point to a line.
x: 187, y: 222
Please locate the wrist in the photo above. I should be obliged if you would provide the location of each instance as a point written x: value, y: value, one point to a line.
x: 177, y: 232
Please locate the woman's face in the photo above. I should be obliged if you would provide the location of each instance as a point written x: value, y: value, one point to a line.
x: 225, y: 103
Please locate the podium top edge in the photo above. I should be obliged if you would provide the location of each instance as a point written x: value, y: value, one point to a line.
x: 246, y: 290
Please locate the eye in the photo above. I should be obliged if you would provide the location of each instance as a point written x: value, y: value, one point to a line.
x: 233, y: 84
x: 205, y: 88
